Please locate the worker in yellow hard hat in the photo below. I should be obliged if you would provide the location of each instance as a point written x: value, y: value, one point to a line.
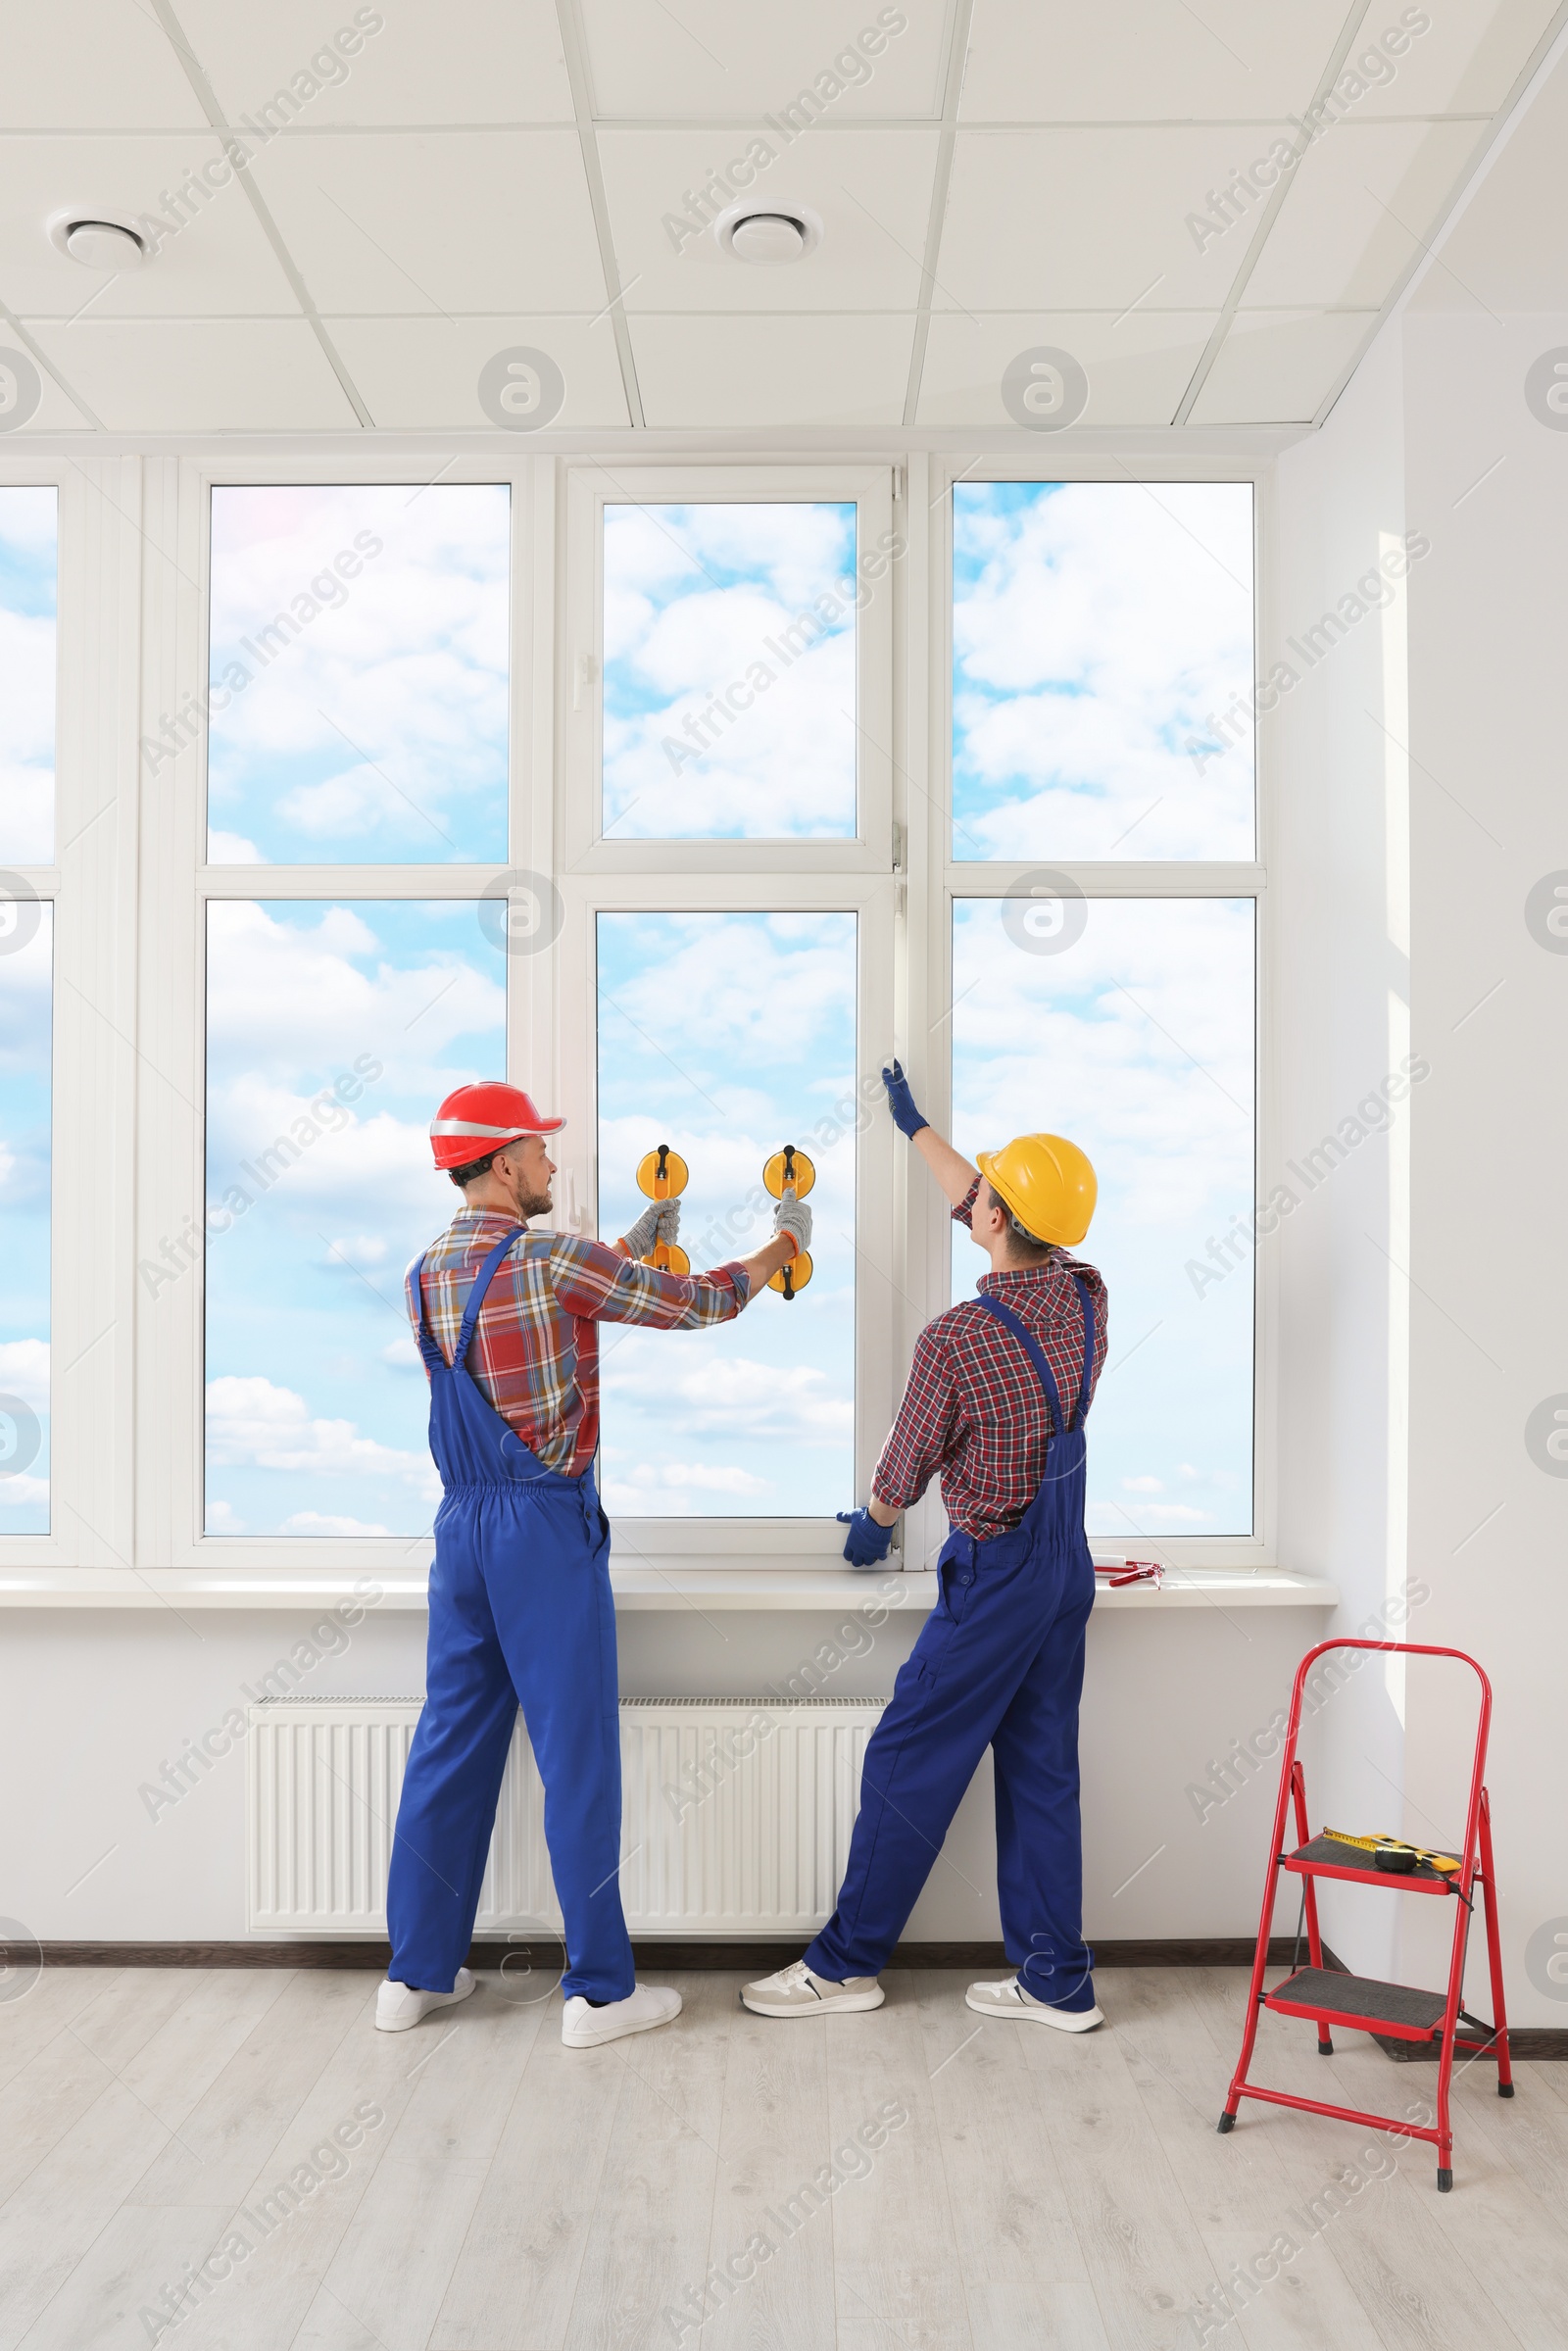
x: 995, y: 1403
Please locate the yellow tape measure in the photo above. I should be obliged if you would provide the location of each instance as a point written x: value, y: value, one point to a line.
x: 1441, y: 1862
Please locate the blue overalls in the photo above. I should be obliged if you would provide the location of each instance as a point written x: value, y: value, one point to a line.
x: 520, y: 1611
x: 1001, y: 1664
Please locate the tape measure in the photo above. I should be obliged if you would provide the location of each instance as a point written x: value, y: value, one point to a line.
x: 1400, y: 1856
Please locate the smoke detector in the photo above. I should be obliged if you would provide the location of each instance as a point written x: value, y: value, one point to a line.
x: 767, y: 238
x: 98, y: 244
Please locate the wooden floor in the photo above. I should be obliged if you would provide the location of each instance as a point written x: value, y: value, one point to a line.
x: 1043, y: 2190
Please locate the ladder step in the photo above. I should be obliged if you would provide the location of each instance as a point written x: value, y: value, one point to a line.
x: 1326, y: 1857
x: 1399, y: 2009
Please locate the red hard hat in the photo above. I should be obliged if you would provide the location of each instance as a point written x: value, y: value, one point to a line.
x: 478, y: 1119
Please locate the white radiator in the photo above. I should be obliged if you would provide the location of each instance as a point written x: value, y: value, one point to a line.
x: 736, y: 1817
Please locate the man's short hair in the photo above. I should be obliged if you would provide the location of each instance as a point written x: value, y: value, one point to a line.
x: 464, y: 1176
x: 1021, y: 1232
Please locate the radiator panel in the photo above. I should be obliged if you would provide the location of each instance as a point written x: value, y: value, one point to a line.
x: 736, y: 1816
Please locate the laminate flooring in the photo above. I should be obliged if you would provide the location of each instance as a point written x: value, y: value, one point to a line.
x: 237, y: 2160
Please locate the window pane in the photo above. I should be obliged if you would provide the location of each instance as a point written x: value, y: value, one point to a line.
x: 28, y: 539
x: 333, y: 1033
x: 727, y: 1036
x: 729, y: 697
x: 358, y: 669
x: 26, y: 941
x: 1103, y: 669
x: 1135, y: 1038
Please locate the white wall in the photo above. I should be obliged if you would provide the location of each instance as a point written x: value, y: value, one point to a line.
x: 94, y: 1702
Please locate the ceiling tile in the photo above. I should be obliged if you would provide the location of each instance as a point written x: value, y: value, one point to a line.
x: 764, y: 370
x: 1360, y: 206
x: 715, y: 61
x: 403, y: 62
x: 437, y: 221
x: 214, y: 257
x: 1138, y: 369
x: 1089, y: 219
x: 200, y: 375
x: 1452, y: 60
x: 80, y: 65
x: 871, y: 189
x: 1144, y: 61
x: 1279, y: 367
x: 55, y: 411
x: 423, y: 374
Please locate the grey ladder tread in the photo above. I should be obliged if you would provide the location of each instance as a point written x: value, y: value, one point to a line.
x: 1321, y: 1989
x: 1326, y: 1852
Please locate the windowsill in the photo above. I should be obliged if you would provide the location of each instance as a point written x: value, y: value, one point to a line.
x: 680, y: 1586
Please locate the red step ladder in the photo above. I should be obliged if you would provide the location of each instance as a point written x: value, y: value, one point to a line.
x: 1393, y: 2011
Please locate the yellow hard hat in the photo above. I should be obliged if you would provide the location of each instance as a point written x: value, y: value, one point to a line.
x: 1047, y: 1182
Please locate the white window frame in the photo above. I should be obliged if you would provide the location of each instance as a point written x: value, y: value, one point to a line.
x: 780, y: 875
x: 590, y: 488
x: 91, y: 882
x: 950, y: 878
x: 178, y: 885
x: 131, y: 890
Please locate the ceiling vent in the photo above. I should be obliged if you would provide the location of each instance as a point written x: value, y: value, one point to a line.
x: 767, y: 238
x: 99, y: 244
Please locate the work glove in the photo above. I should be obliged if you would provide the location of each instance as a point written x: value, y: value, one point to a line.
x: 900, y: 1102
x: 794, y: 1218
x: 658, y: 1221
x: 865, y: 1543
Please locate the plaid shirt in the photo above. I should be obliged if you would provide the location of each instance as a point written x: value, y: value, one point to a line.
x: 974, y: 1408
x: 535, y: 1350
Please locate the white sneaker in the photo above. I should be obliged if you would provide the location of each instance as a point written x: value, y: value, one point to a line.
x: 645, y: 2005
x: 796, y: 1991
x: 400, y: 2005
x: 1009, y: 2000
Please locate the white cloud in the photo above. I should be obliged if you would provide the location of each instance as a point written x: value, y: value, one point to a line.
x: 1096, y: 628
x: 649, y: 1485
x: 1143, y: 1485
x: 743, y: 1400
x: 682, y: 632
x: 24, y: 1372
x: 222, y: 1519
x: 359, y: 1249
x: 317, y: 1522
x: 408, y: 659
x: 232, y: 849
x: 24, y: 1493
x: 252, y: 1423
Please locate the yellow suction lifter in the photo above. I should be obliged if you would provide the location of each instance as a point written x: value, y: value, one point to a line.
x: 662, y: 1174
x: 790, y: 1166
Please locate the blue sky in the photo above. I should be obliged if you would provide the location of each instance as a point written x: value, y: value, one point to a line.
x: 1097, y: 629
x: 373, y: 724
x: 697, y: 601
x: 754, y: 1418
x: 1137, y: 1043
x: 28, y: 567
x: 316, y: 1400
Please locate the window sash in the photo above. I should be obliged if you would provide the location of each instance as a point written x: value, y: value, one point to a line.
x: 592, y: 488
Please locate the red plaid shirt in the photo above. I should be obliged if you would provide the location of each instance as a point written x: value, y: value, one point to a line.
x: 535, y: 1350
x: 974, y: 1408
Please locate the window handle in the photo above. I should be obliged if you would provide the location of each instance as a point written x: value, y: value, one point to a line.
x: 584, y: 679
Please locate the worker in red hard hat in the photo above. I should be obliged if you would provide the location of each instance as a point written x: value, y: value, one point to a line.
x: 520, y: 1607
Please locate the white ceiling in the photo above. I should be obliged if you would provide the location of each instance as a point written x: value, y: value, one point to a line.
x: 1001, y: 175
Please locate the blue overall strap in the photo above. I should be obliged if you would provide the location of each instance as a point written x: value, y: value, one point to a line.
x: 1086, y: 1384
x: 476, y: 1296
